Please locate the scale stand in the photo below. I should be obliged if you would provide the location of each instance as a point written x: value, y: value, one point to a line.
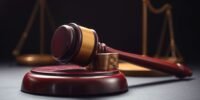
x: 136, y: 70
x: 35, y: 59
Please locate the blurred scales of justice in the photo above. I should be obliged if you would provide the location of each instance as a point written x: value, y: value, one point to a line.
x: 172, y: 55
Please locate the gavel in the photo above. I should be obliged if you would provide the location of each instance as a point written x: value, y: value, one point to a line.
x: 79, y: 45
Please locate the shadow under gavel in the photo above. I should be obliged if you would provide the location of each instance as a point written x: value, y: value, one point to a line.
x: 78, y: 44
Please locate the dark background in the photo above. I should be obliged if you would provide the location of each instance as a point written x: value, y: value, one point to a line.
x: 118, y: 22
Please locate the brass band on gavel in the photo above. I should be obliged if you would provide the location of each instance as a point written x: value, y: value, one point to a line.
x: 105, y: 61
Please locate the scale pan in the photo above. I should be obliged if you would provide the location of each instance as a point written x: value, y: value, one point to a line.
x: 130, y: 69
x: 35, y: 59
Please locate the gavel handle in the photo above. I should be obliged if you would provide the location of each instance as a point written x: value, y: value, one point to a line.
x: 179, y: 70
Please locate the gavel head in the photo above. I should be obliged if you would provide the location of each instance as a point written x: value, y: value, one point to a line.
x: 74, y: 43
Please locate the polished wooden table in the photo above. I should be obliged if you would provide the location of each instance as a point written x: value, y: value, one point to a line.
x: 140, y: 88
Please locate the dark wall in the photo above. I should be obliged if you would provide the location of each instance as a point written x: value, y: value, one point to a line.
x: 118, y: 22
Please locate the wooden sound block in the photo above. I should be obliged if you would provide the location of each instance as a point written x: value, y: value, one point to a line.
x: 131, y: 69
x: 73, y: 80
